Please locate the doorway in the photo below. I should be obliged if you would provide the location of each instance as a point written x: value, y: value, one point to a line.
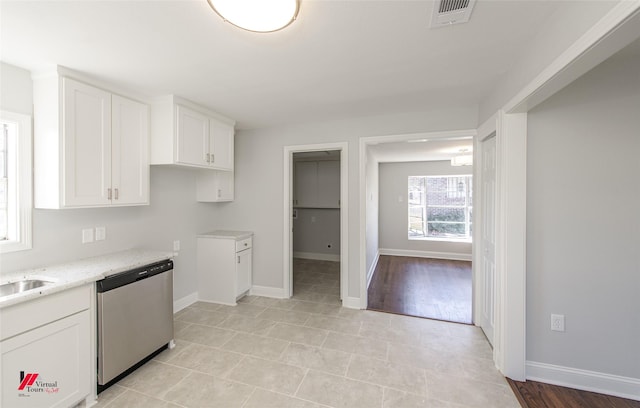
x: 319, y: 254
x: 425, y: 227
x: 316, y: 226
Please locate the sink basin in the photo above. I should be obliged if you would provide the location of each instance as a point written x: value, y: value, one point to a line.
x: 21, y: 286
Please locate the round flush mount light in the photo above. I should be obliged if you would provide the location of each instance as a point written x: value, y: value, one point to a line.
x: 261, y: 16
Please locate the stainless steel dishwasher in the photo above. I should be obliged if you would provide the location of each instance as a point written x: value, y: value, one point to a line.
x: 135, y: 318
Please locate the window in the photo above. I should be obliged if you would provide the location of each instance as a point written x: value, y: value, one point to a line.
x: 440, y: 207
x: 15, y: 182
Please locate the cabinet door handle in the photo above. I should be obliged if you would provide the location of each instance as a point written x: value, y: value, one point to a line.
x: 116, y: 193
x: 213, y: 158
x: 108, y: 194
x: 219, y: 193
x: 238, y: 259
x: 208, y: 158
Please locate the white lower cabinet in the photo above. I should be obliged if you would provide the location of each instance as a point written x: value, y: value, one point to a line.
x: 45, y: 353
x: 224, y: 264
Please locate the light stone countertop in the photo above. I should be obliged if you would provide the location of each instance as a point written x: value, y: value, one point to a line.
x: 69, y: 275
x: 226, y: 234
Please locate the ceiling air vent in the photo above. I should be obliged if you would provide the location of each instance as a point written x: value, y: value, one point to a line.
x: 448, y: 12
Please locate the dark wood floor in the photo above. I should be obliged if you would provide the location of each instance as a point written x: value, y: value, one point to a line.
x: 532, y: 394
x: 433, y: 288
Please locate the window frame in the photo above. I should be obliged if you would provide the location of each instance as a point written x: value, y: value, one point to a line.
x: 468, y: 208
x: 19, y: 223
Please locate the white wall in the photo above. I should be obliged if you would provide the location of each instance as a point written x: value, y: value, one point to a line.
x: 551, y: 40
x: 16, y: 89
x: 260, y: 181
x: 583, y: 224
x: 315, y: 229
x: 172, y: 215
x: 394, y: 209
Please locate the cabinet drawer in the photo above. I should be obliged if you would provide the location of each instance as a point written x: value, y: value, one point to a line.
x: 243, y: 244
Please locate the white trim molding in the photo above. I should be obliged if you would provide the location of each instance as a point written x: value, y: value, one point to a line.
x: 184, y: 302
x: 372, y: 269
x: 352, y: 303
x: 510, y: 298
x: 317, y: 256
x: 268, y: 291
x: 20, y: 188
x: 619, y: 386
x: 454, y: 256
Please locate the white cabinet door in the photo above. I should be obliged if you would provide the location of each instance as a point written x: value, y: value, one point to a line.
x: 214, y: 186
x: 306, y: 184
x: 49, y: 366
x: 328, y: 184
x: 192, y: 137
x: 243, y: 271
x: 221, y: 145
x: 87, y: 145
x: 130, y: 151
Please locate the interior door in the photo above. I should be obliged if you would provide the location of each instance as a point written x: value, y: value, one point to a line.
x: 488, y: 267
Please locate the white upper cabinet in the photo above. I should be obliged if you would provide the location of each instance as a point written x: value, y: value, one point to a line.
x: 220, y: 145
x: 328, y: 184
x: 192, y: 137
x: 306, y: 184
x: 91, y: 147
x: 317, y: 184
x: 129, y: 151
x: 184, y: 133
x: 87, y: 145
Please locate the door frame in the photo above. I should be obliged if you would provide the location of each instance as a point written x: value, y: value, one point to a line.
x: 287, y: 279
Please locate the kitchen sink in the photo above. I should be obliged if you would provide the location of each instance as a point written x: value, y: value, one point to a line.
x: 21, y: 286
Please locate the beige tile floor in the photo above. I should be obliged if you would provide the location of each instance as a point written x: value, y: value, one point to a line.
x: 309, y: 352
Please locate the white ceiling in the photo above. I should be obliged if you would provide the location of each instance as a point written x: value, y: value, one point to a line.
x: 340, y: 59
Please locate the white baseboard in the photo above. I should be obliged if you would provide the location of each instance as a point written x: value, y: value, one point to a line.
x: 593, y: 381
x: 267, y: 291
x: 181, y: 303
x: 372, y: 268
x: 352, y: 303
x: 454, y: 256
x: 317, y: 257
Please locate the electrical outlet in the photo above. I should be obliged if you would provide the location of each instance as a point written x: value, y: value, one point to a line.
x: 313, y: 218
x: 176, y: 245
x: 101, y: 233
x: 557, y: 322
x: 87, y: 235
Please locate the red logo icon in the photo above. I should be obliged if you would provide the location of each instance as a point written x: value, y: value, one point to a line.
x: 27, y: 381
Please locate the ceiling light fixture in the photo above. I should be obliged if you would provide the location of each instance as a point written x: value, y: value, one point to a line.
x: 261, y: 16
x: 463, y: 159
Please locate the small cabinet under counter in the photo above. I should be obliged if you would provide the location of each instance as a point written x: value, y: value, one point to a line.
x: 224, y: 266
